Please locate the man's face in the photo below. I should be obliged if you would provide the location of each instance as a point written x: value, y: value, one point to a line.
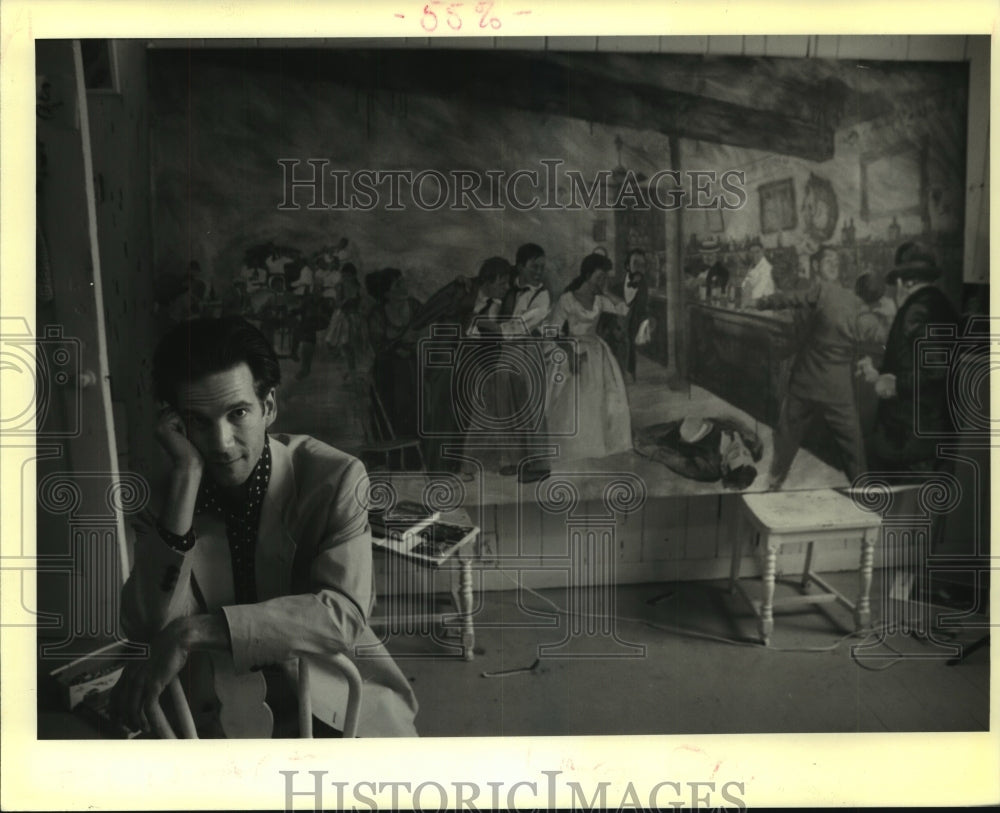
x: 756, y: 254
x: 829, y: 266
x: 531, y: 272
x: 637, y: 265
x: 226, y: 422
x: 734, y: 452
x: 903, y: 290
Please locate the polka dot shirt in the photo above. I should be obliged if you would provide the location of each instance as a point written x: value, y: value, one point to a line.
x: 242, y: 519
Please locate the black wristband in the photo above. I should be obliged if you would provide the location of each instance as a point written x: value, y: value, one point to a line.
x: 181, y: 544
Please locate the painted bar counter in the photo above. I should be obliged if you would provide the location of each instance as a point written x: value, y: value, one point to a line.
x: 743, y: 356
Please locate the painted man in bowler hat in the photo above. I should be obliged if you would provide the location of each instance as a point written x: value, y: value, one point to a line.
x: 903, y: 390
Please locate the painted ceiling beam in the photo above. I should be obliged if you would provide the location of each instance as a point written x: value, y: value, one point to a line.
x: 531, y: 81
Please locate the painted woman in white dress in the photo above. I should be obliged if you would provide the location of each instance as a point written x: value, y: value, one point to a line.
x: 598, y: 410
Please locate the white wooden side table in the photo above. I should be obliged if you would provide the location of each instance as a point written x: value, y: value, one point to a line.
x: 815, y: 517
x: 453, y: 553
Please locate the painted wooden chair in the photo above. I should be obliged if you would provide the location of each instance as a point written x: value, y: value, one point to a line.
x: 338, y: 661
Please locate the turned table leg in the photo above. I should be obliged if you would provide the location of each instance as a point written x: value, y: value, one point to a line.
x: 863, y: 610
x: 465, y: 609
x: 767, y: 591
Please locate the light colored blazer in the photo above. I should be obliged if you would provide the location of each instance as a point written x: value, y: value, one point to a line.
x: 313, y: 569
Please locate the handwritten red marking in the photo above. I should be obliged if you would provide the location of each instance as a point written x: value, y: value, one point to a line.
x: 429, y: 21
x: 484, y: 9
x: 454, y: 20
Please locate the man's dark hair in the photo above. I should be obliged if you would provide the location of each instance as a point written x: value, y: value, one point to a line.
x: 194, y: 349
x: 528, y: 252
x: 740, y: 477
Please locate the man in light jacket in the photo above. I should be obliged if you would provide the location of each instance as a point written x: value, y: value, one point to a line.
x: 256, y: 549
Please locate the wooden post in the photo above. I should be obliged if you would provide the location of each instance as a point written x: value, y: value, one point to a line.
x: 676, y: 343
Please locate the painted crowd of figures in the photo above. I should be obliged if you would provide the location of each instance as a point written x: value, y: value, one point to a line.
x: 497, y: 356
x: 497, y: 367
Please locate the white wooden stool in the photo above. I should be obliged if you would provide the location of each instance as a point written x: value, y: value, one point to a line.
x: 781, y: 518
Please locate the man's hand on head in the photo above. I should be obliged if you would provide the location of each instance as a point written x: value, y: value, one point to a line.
x: 172, y: 436
x: 177, y: 512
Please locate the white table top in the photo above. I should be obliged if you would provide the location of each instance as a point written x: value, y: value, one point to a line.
x: 790, y: 511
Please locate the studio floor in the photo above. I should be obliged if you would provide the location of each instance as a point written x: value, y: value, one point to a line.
x: 700, y: 670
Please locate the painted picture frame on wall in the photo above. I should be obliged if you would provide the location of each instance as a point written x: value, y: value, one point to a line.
x: 777, y: 206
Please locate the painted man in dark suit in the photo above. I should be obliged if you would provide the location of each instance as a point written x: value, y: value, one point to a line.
x: 620, y: 331
x: 459, y: 307
x: 903, y: 391
x: 821, y: 381
x: 522, y: 315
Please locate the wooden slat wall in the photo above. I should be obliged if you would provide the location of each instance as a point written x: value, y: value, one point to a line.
x: 668, y: 539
